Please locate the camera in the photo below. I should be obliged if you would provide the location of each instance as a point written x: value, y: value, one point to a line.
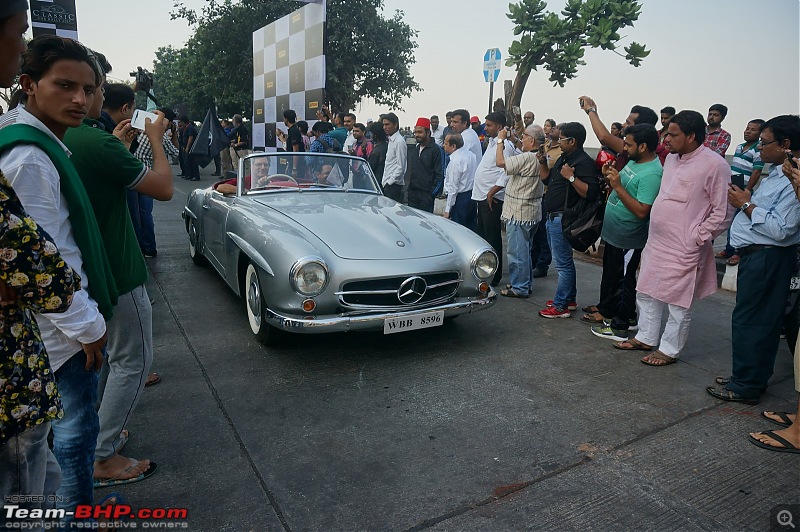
x: 144, y: 79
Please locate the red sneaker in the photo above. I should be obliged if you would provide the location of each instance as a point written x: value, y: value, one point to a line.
x: 553, y: 312
x: 570, y: 306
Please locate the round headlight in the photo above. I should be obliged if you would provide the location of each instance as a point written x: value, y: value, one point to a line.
x: 309, y: 276
x: 484, y: 264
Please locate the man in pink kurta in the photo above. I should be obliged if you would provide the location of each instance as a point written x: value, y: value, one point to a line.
x: 678, y: 261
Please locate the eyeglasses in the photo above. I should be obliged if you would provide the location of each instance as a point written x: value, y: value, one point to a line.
x: 565, y: 138
x: 762, y: 143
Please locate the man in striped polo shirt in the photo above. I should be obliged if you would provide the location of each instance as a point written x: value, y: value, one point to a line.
x: 746, y: 166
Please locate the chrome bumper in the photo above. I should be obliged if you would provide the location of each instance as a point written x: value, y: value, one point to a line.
x: 373, y: 321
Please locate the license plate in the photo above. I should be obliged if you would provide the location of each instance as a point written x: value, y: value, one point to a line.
x: 413, y: 322
x: 795, y: 283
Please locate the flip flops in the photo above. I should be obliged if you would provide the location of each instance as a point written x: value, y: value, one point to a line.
x: 782, y: 416
x: 116, y: 481
x: 635, y: 345
x: 152, y: 379
x: 787, y: 446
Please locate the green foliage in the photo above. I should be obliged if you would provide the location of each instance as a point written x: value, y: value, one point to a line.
x: 558, y: 43
x: 367, y: 55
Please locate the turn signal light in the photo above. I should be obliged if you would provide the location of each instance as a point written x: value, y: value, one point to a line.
x: 309, y: 305
x: 484, y: 288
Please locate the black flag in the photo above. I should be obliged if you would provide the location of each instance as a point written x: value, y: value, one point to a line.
x: 210, y: 140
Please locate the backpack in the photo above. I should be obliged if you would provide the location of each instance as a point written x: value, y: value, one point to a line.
x: 583, y: 223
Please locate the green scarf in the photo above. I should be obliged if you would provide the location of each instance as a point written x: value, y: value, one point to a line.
x: 81, y: 216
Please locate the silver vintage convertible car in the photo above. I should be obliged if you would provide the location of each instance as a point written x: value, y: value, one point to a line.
x: 312, y: 246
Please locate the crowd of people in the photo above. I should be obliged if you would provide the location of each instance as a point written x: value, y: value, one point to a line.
x: 665, y: 194
x: 76, y: 190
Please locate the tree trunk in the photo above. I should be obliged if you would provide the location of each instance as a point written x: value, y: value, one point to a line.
x: 516, y: 92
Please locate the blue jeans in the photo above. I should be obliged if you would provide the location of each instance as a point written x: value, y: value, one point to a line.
x: 75, y: 435
x: 140, y: 207
x: 566, y: 291
x: 27, y: 467
x: 519, y: 256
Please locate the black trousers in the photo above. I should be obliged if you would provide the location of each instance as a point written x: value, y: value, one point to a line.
x: 394, y: 192
x: 541, y: 257
x: 182, y: 162
x: 192, y: 166
x: 420, y: 199
x: 618, y: 285
x: 761, y: 293
x: 490, y: 229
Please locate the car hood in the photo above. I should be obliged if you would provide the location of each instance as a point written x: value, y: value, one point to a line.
x: 362, y: 226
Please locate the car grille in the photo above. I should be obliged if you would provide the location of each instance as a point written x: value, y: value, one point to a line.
x: 382, y: 294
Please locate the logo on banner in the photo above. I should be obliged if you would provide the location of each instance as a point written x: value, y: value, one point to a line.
x: 48, y: 13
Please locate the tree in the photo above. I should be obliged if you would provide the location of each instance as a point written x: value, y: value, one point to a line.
x: 369, y: 56
x: 558, y: 44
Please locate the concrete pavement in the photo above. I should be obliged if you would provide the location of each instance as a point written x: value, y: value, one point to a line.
x: 500, y: 420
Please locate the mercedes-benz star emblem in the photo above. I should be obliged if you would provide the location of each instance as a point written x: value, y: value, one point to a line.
x: 412, y: 290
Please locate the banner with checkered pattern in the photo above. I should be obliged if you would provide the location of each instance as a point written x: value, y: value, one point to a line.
x: 54, y: 17
x: 288, y: 72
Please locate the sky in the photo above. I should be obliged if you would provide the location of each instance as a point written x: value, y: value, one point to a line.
x: 743, y: 54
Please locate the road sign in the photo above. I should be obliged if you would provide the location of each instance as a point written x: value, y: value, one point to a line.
x: 491, y: 64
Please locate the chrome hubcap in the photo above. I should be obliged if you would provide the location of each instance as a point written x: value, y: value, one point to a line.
x: 254, y: 299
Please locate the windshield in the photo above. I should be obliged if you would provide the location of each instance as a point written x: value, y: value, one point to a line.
x: 279, y: 171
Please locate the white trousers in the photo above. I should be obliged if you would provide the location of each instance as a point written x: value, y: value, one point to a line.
x: 676, y: 331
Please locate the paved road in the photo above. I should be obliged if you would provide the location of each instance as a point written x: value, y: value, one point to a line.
x: 497, y: 421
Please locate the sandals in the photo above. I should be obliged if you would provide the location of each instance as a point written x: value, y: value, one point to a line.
x: 721, y: 392
x: 590, y: 308
x: 734, y: 260
x: 658, y: 359
x: 633, y: 345
x: 590, y: 319
x: 510, y: 293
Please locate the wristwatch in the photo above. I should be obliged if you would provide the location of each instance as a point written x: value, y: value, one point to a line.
x: 745, y: 205
x: 591, y: 110
x: 571, y: 179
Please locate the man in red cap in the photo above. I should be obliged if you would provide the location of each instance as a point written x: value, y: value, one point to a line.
x: 479, y: 129
x: 425, y: 172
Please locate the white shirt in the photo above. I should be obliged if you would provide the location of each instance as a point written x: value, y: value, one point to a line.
x: 459, y: 175
x: 489, y: 174
x: 472, y: 142
x: 396, y: 154
x: 437, y: 136
x: 37, y: 183
x: 348, y: 142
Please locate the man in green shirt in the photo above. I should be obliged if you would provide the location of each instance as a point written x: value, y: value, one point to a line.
x: 625, y: 227
x: 108, y: 170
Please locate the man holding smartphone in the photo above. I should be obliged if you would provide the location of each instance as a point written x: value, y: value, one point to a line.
x: 765, y: 232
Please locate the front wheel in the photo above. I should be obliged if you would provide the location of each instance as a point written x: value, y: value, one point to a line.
x: 256, y: 308
x: 194, y: 237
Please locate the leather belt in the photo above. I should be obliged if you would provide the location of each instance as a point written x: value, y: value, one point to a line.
x: 553, y: 215
x: 752, y: 248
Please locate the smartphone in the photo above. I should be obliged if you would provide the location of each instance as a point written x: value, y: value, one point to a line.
x: 738, y: 180
x: 137, y: 122
x: 580, y: 101
x: 790, y: 158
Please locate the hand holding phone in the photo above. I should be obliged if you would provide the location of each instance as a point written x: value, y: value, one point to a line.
x: 138, y: 119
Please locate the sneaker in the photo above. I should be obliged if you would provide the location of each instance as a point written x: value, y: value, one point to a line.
x: 570, y: 306
x: 633, y: 324
x: 554, y: 312
x: 605, y: 331
x: 149, y: 254
x: 537, y: 273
